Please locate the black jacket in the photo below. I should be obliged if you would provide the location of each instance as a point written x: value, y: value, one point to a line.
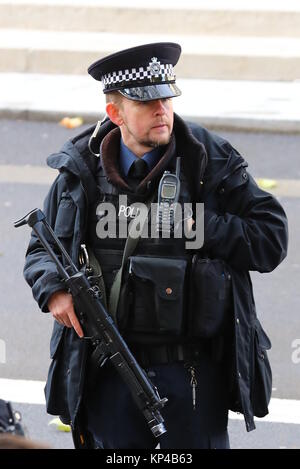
x: 244, y: 226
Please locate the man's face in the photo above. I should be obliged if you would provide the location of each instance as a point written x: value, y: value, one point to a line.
x: 146, y: 125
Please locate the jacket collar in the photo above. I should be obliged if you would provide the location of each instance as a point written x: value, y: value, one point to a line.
x: 110, y: 154
x: 76, y: 158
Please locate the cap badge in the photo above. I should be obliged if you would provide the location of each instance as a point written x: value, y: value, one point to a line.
x: 154, y: 66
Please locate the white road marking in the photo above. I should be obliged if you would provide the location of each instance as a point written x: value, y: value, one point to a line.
x: 22, y: 391
x: 27, y: 174
x: 32, y: 392
x: 280, y: 411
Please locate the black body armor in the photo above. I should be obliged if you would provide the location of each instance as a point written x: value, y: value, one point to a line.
x: 160, y: 254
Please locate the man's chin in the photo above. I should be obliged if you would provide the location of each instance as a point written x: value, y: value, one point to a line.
x: 159, y: 141
x: 157, y: 144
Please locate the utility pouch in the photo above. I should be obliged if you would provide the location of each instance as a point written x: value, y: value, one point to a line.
x: 209, y: 297
x: 261, y: 388
x: 156, y: 290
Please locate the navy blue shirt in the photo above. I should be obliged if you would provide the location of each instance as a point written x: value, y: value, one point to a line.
x: 127, y: 157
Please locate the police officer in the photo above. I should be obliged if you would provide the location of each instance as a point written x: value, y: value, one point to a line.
x: 188, y: 315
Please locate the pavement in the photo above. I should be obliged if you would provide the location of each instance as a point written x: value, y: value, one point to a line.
x: 269, y: 434
x: 216, y: 104
x: 220, y: 39
x: 203, y: 56
x: 239, y: 69
x: 191, y: 17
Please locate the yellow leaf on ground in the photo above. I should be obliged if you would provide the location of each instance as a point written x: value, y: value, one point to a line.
x: 71, y: 122
x: 59, y: 425
x: 266, y: 183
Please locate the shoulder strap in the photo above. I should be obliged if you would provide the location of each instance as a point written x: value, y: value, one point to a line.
x: 130, y: 246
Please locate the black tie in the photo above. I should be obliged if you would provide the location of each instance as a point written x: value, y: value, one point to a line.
x: 138, y: 171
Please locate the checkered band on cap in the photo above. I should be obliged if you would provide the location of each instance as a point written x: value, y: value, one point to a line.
x: 154, y: 73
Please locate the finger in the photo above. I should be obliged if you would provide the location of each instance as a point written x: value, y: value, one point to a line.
x: 76, y: 324
x: 67, y: 322
x: 63, y: 320
x: 58, y: 319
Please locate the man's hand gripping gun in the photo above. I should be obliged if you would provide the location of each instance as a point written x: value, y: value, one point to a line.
x: 99, y: 327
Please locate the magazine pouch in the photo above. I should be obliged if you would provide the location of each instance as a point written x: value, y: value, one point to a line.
x: 156, y: 292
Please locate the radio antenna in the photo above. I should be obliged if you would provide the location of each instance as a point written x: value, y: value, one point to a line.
x: 178, y: 163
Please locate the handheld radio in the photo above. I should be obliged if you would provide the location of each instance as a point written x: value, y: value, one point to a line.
x: 168, y: 195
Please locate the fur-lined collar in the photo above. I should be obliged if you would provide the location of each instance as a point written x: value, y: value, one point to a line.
x: 110, y: 157
x: 182, y: 143
x: 76, y: 156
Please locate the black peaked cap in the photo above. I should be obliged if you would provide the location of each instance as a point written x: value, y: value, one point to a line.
x: 141, y: 73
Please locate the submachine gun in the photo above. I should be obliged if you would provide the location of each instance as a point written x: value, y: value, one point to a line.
x: 99, y: 327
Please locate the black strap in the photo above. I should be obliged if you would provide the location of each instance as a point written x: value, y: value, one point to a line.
x: 170, y: 353
x: 129, y: 248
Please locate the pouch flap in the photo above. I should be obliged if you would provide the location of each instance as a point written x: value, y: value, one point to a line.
x: 65, y: 218
x: 236, y: 178
x: 263, y: 339
x: 166, y: 274
x: 211, y: 266
x: 169, y: 291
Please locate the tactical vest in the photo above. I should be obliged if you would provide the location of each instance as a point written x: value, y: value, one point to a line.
x: 109, y: 250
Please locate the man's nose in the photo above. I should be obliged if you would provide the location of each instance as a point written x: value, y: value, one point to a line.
x: 160, y: 107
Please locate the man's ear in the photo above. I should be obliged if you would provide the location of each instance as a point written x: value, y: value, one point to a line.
x: 113, y: 112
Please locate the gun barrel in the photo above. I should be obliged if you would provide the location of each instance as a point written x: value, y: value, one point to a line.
x: 99, y: 325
